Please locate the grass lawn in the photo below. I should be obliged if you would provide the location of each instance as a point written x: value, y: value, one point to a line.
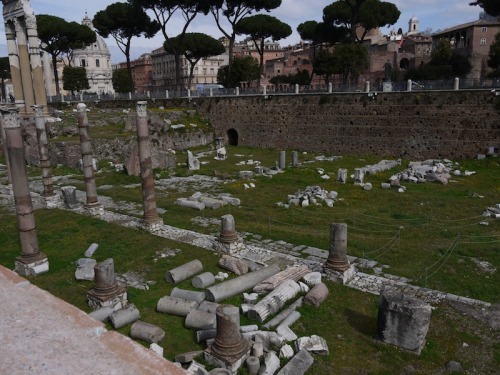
x: 430, y: 234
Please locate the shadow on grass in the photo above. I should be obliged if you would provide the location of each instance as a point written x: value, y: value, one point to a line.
x: 364, y: 324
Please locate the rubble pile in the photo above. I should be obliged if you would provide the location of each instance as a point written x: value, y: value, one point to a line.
x: 312, y: 195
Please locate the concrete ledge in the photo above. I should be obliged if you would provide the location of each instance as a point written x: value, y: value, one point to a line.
x: 42, y: 334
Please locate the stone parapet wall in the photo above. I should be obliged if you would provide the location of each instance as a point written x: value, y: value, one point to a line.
x: 451, y: 124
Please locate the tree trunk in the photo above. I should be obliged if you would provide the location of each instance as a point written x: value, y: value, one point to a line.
x: 56, y: 75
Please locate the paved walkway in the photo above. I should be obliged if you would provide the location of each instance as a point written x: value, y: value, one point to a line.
x: 41, y: 334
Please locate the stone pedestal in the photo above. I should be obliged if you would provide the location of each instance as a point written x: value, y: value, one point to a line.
x: 106, y: 291
x: 26, y: 267
x: 342, y: 175
x: 229, y: 349
x: 52, y: 201
x: 295, y: 159
x: 282, y: 160
x: 359, y: 176
x: 69, y: 196
x: 342, y: 277
x: 403, y: 321
x: 94, y: 209
x: 228, y: 241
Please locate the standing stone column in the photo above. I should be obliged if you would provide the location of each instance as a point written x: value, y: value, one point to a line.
x: 295, y: 158
x: 15, y: 65
x: 35, y: 60
x: 4, y: 141
x: 106, y: 291
x: 31, y: 261
x: 24, y: 60
x: 151, y: 220
x: 282, y: 163
x: 228, y: 241
x: 337, y: 265
x: 92, y: 205
x: 24, y: 54
x: 229, y: 349
x: 48, y: 188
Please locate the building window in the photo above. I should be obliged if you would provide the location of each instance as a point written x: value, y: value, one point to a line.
x: 83, y: 63
x: 483, y: 41
x: 484, y: 29
x: 97, y: 63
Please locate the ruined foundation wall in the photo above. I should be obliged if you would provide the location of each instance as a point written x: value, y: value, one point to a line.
x: 454, y: 124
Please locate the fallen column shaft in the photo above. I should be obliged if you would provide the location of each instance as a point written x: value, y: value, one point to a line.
x: 239, y: 284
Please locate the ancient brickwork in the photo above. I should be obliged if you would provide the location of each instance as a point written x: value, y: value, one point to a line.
x: 454, y: 124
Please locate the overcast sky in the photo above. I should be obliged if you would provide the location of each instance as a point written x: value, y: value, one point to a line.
x: 432, y: 14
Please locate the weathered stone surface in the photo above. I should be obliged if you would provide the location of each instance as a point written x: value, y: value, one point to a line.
x: 188, y: 357
x: 205, y: 334
x: 146, y: 332
x: 403, y: 321
x: 208, y: 306
x: 317, y: 295
x: 203, y: 280
x: 175, y: 305
x: 298, y: 365
x: 184, y: 272
x: 290, y: 273
x: 253, y: 365
x: 274, y: 301
x: 286, y: 351
x: 271, y: 364
x: 314, y: 344
x: 199, y: 320
x: 188, y: 294
x: 193, y: 163
x: 230, y: 288
x: 183, y: 202
x: 233, y: 264
x: 286, y: 332
x: 279, y: 318
x: 91, y: 250
x: 124, y: 316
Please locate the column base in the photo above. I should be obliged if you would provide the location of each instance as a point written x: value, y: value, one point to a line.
x: 231, y: 365
x: 32, y: 269
x: 343, y: 277
x: 52, y: 201
x: 228, y: 248
x: 117, y: 302
x: 151, y: 225
x: 94, y: 209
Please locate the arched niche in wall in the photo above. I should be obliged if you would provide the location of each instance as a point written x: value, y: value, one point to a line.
x: 232, y: 137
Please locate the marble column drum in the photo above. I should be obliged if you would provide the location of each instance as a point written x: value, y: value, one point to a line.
x: 106, y: 291
x: 43, y: 151
x: 337, y: 258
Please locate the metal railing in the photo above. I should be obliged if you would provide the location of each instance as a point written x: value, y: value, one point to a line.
x: 399, y: 86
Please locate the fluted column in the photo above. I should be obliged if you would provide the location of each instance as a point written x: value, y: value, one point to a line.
x: 41, y: 133
x: 15, y: 65
x: 24, y: 62
x: 146, y: 166
x: 35, y: 61
x: 31, y: 261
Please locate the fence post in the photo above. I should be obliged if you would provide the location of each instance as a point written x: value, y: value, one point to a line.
x: 367, y: 86
x: 456, y: 83
x: 237, y: 91
x: 166, y: 94
x: 296, y: 88
x: 408, y: 85
x: 330, y: 88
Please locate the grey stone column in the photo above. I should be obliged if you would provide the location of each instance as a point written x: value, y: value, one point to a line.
x: 282, y: 160
x: 43, y: 150
x: 295, y: 158
x: 24, y: 62
x: 229, y: 349
x: 228, y: 229
x: 86, y: 147
x: 35, y: 60
x: 31, y: 261
x: 337, y: 258
x: 148, y: 185
x: 106, y: 291
x: 15, y: 66
x: 4, y: 141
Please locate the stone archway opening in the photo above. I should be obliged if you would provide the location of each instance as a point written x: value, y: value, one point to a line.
x: 404, y: 64
x: 232, y: 137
